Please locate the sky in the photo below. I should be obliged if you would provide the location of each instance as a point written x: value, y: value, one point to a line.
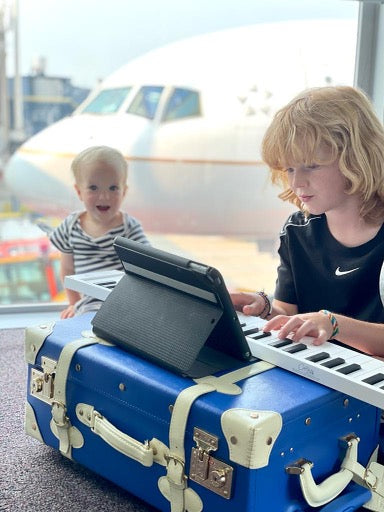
x: 86, y: 40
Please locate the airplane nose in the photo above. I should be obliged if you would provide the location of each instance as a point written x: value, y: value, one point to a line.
x: 38, y: 187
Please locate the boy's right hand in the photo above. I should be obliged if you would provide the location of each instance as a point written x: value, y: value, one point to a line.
x: 248, y: 303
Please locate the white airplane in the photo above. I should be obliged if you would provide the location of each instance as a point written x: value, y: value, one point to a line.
x: 189, y: 117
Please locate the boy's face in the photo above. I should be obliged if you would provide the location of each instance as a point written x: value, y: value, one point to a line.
x: 320, y: 187
x: 101, y: 187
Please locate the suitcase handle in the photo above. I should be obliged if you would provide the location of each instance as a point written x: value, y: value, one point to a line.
x: 125, y: 444
x: 355, y: 498
x: 320, y: 494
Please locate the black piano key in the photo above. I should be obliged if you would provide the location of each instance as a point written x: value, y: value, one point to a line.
x: 260, y: 335
x: 242, y: 324
x: 349, y: 369
x: 374, y: 379
x: 108, y: 284
x: 297, y: 347
x: 281, y: 343
x: 333, y: 362
x: 253, y: 330
x: 318, y: 357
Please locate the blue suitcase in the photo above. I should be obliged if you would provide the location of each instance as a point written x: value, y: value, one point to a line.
x: 254, y: 439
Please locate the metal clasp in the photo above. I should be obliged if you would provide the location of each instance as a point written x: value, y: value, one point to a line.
x: 206, y: 470
x: 42, y: 381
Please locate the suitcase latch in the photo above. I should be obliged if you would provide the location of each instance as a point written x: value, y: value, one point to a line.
x: 42, y: 381
x: 205, y: 469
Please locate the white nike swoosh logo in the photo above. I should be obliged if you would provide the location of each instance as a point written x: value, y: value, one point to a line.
x: 339, y: 272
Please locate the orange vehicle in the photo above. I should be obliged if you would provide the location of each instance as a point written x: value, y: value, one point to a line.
x: 29, y: 271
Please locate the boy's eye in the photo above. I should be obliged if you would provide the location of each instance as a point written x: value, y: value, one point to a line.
x: 289, y: 170
x: 113, y: 188
x: 312, y: 167
x: 92, y: 187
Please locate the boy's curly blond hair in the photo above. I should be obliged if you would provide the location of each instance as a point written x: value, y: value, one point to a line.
x: 342, y: 120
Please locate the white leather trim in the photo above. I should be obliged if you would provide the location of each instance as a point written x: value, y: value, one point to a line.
x: 34, y: 339
x: 59, y: 402
x: 193, y: 501
x: 31, y: 426
x: 250, y: 435
x: 76, y: 439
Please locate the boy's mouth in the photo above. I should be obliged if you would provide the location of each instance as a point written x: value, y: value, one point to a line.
x: 103, y: 208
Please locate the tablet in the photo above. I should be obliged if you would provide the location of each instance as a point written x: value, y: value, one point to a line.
x: 172, y: 310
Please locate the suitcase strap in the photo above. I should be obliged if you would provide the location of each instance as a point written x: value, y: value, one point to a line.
x: 61, y: 425
x: 174, y: 485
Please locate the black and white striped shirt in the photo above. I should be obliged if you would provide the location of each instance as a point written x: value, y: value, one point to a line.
x: 94, y: 254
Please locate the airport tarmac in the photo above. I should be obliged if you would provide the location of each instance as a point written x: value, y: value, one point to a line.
x: 241, y: 263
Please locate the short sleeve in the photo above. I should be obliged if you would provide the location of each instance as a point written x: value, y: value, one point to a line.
x: 134, y: 230
x: 61, y: 236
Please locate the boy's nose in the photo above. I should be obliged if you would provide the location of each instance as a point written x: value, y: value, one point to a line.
x: 298, y: 178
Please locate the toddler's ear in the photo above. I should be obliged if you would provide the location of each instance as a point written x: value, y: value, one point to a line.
x: 78, y: 191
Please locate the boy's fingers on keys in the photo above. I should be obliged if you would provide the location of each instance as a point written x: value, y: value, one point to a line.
x: 278, y: 322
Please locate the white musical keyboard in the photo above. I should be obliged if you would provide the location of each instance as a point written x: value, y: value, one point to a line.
x: 94, y: 284
x: 340, y: 368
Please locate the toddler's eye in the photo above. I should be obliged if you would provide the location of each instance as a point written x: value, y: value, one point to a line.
x: 92, y: 187
x: 113, y: 188
x: 289, y: 170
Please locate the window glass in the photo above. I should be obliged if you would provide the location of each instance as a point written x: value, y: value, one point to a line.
x: 29, y: 272
x: 146, y: 101
x: 196, y: 182
x: 182, y: 103
x: 30, y: 281
x: 107, y: 101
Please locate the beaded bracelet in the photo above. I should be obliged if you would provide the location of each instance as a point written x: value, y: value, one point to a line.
x: 333, y: 320
x: 268, y: 306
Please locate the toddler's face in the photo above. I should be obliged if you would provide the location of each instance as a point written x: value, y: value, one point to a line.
x: 102, y: 187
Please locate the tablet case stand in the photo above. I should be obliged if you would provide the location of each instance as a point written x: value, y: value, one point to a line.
x: 172, y: 328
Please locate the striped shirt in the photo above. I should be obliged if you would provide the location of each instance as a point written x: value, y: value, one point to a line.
x: 93, y: 254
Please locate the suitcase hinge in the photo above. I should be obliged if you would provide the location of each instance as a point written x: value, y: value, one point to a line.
x: 206, y: 470
x: 42, y: 381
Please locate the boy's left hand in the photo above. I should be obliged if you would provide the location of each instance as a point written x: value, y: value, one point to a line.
x: 316, y: 325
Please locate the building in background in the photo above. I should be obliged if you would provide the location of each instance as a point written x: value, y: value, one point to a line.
x: 46, y: 99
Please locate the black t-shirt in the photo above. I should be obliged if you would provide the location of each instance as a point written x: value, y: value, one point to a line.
x: 317, y: 272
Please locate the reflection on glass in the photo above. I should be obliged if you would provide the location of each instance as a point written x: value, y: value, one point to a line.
x: 182, y: 103
x: 146, y: 101
x: 107, y: 101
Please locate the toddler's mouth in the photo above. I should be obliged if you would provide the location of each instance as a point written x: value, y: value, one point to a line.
x: 103, y: 208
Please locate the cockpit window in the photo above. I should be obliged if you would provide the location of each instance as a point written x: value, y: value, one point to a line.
x: 145, y: 102
x: 107, y: 101
x: 182, y: 103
